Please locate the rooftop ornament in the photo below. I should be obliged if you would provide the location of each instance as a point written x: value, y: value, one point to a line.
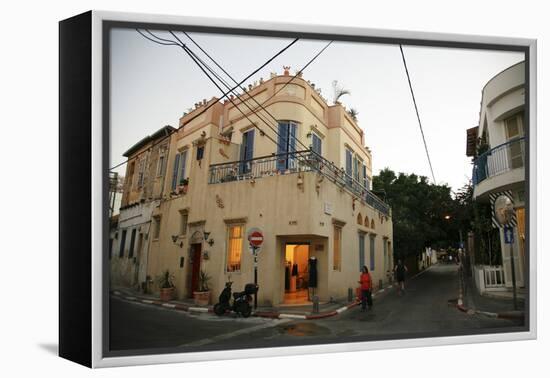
x: 286, y: 71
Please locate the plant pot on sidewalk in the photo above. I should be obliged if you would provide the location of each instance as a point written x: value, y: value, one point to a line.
x: 201, y: 298
x: 166, y: 285
x: 167, y: 294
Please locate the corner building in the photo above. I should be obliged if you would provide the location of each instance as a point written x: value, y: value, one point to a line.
x: 304, y: 181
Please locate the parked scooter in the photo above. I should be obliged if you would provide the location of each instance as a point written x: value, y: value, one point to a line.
x: 241, y: 300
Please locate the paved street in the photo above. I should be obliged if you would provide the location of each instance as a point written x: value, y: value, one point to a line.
x: 422, y: 311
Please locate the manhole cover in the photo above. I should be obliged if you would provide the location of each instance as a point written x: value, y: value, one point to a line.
x: 304, y: 329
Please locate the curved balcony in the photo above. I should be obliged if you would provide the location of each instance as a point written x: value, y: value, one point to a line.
x: 294, y: 162
x: 491, y: 168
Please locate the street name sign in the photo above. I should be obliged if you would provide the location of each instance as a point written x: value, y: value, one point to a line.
x: 508, y: 234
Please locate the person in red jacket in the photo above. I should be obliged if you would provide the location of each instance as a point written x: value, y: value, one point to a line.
x: 366, y: 287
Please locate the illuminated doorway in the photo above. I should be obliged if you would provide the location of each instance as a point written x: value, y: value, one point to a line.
x: 296, y: 273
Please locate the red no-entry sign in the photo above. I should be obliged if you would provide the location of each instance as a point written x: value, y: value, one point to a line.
x: 255, y: 237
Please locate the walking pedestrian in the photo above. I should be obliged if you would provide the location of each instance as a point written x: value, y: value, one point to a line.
x: 366, y: 286
x: 400, y: 269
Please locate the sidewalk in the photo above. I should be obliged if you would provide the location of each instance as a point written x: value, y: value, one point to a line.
x: 304, y: 312
x: 497, y: 306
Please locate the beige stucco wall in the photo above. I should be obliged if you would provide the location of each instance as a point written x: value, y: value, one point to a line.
x: 285, y: 211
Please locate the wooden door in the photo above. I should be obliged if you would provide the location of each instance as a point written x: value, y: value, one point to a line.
x: 195, y: 267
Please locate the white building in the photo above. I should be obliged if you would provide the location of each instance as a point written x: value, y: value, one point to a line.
x: 498, y: 148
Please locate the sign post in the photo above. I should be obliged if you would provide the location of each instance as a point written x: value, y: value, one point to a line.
x: 504, y: 211
x: 255, y: 239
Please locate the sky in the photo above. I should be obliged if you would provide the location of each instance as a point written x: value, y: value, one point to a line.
x: 153, y: 85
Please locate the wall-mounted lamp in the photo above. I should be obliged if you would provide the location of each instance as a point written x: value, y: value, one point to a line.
x: 206, y: 235
x: 175, y: 241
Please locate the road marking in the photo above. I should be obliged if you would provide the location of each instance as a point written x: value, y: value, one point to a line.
x: 291, y: 316
x: 169, y: 305
x: 341, y: 309
x: 131, y: 298
x: 147, y: 301
x: 225, y: 336
x: 198, y: 309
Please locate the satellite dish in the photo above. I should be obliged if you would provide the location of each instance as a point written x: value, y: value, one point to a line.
x: 504, y: 210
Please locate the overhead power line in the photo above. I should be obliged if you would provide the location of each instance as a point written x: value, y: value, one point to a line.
x: 252, y: 98
x: 260, y: 116
x: 167, y: 43
x: 417, y: 114
x: 204, y: 67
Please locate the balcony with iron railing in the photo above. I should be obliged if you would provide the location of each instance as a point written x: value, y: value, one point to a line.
x: 498, y: 161
x: 294, y: 162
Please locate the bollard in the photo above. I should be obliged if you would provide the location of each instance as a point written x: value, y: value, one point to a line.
x: 350, y: 294
x: 315, y: 301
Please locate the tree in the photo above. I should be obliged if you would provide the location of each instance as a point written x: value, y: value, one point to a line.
x: 419, y: 209
x: 476, y: 216
x: 339, y: 91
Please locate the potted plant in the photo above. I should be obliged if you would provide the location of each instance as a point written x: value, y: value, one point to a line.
x: 184, y: 184
x: 202, y: 296
x: 167, y: 288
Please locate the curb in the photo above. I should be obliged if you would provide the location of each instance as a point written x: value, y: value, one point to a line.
x: 509, y: 315
x: 263, y: 314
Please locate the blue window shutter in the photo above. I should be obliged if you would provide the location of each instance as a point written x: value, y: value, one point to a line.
x: 183, y: 162
x: 292, y: 137
x: 361, y: 251
x: 365, y: 180
x: 250, y: 145
x: 247, y: 151
x: 348, y: 165
x: 175, y: 172
x: 372, y: 253
x: 282, y: 145
x: 292, y: 144
x: 316, y: 144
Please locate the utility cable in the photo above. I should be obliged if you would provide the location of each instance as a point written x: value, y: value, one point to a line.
x: 248, y: 94
x: 168, y: 43
x: 417, y: 114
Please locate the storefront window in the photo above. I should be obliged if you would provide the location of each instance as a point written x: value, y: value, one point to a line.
x: 234, y: 248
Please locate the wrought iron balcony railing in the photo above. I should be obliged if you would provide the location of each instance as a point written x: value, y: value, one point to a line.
x: 294, y: 162
x: 498, y: 160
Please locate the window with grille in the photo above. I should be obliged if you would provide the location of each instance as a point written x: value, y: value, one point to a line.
x: 183, y: 222
x: 132, y: 244
x: 514, y: 129
x: 156, y: 227
x: 316, y: 144
x: 234, y: 248
x: 122, y: 244
x: 141, y: 173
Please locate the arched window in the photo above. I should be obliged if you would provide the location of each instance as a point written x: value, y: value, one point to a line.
x: 372, y: 223
x: 366, y: 221
x: 359, y: 219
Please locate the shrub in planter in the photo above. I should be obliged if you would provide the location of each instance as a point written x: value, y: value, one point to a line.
x: 202, y: 296
x: 166, y: 285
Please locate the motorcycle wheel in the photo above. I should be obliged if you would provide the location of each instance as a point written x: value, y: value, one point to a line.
x: 219, y: 309
x: 245, y: 310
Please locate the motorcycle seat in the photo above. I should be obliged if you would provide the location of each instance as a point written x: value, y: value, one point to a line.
x: 237, y: 295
